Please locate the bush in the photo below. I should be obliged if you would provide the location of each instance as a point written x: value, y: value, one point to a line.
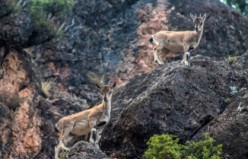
x: 7, y: 7
x: 230, y: 59
x: 46, y: 15
x: 167, y: 146
x: 163, y: 146
x: 41, y: 9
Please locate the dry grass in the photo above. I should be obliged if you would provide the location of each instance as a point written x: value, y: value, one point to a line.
x: 46, y: 87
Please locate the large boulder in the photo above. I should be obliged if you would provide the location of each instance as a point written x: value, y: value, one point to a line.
x: 184, y: 101
x: 230, y: 128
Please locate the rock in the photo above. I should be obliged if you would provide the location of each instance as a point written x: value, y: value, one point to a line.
x: 184, y: 101
x: 85, y: 150
x: 232, y: 123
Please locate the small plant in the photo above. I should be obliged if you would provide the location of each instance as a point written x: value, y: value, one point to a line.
x: 204, y: 149
x: 46, y: 87
x: 231, y: 58
x: 46, y: 15
x: 233, y: 90
x: 167, y: 146
x: 163, y: 146
x: 48, y: 9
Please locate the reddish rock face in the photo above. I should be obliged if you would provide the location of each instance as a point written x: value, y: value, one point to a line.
x: 26, y: 132
x: 21, y: 124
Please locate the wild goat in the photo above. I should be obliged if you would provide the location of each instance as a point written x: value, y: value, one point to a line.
x: 177, y: 41
x: 91, y: 121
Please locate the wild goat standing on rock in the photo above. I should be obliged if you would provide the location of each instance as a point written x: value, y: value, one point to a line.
x: 177, y: 41
x: 91, y: 121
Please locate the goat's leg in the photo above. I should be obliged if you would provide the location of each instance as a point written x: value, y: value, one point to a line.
x: 93, y: 136
x: 63, y: 139
x: 187, y: 62
x: 186, y: 56
x: 157, y: 53
x: 66, y: 138
x: 159, y: 57
x: 98, y: 136
x: 93, y: 132
x: 57, y: 149
x: 161, y: 50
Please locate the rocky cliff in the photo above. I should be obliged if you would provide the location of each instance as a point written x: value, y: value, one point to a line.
x: 184, y: 101
x: 111, y: 38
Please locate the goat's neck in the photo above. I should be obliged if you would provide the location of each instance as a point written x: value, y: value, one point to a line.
x: 107, y: 106
x: 199, y: 36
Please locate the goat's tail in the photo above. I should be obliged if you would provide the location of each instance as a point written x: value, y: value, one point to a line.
x: 151, y: 40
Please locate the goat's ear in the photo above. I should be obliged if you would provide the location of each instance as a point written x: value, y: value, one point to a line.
x: 192, y: 17
x: 98, y: 87
x: 204, y: 16
x: 112, y: 84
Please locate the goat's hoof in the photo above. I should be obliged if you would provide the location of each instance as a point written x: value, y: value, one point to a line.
x: 160, y: 62
x: 66, y: 148
x: 187, y: 63
x: 97, y: 146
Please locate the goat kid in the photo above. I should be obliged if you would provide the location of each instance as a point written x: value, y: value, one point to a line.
x: 177, y: 41
x: 91, y: 121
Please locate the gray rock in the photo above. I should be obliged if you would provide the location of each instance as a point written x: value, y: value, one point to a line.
x: 184, y: 101
x: 85, y: 150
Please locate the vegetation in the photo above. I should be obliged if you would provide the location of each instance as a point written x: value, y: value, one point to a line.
x: 50, y: 8
x: 7, y: 7
x: 240, y: 5
x: 46, y: 15
x: 167, y: 146
x: 231, y: 58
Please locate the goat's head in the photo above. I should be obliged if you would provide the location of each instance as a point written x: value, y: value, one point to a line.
x: 107, y: 91
x: 198, y: 21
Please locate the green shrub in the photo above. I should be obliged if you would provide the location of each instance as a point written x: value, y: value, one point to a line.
x: 56, y: 8
x: 230, y: 59
x: 49, y: 14
x: 204, y: 149
x: 167, y: 146
x: 163, y: 146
